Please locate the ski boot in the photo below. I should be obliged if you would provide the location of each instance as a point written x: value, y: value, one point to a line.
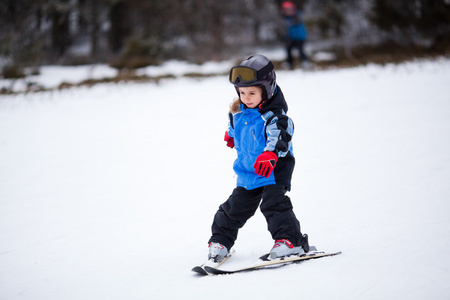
x: 284, y: 247
x: 217, y: 252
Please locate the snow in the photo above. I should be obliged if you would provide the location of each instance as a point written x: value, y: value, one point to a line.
x: 51, y: 77
x: 324, y: 56
x: 109, y: 192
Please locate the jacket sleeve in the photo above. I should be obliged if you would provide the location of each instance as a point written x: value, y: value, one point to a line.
x: 230, y: 125
x: 279, y: 132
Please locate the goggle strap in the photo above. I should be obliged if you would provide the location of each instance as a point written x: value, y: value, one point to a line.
x: 266, y: 70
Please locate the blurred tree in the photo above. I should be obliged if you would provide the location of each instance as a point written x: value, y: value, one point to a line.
x: 331, y: 20
x: 434, y: 21
x: 57, y: 30
x: 413, y: 20
x: 120, y: 25
x: 21, y: 38
x: 94, y: 10
x: 147, y: 32
x: 58, y: 13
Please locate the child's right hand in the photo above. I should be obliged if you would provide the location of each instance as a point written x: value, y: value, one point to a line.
x: 265, y: 163
x: 229, y: 140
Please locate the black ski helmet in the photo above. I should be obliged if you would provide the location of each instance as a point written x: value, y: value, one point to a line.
x: 264, y: 75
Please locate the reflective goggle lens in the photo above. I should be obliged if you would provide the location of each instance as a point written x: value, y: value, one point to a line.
x: 244, y: 73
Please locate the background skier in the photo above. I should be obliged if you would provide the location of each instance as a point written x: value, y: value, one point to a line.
x: 296, y: 33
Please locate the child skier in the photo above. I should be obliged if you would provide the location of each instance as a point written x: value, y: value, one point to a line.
x: 261, y: 132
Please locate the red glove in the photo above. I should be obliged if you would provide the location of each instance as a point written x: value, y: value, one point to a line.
x: 229, y: 140
x: 265, y: 163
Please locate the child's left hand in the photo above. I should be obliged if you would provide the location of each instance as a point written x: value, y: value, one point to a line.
x: 229, y: 140
x: 265, y: 163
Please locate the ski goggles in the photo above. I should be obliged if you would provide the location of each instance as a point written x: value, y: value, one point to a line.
x: 242, y: 74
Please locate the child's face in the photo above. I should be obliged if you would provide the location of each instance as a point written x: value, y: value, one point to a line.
x: 250, y: 96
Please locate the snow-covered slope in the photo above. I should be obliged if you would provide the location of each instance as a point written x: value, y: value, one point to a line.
x: 109, y: 192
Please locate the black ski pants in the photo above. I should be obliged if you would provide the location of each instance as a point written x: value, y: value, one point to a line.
x: 291, y: 46
x: 242, y: 204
